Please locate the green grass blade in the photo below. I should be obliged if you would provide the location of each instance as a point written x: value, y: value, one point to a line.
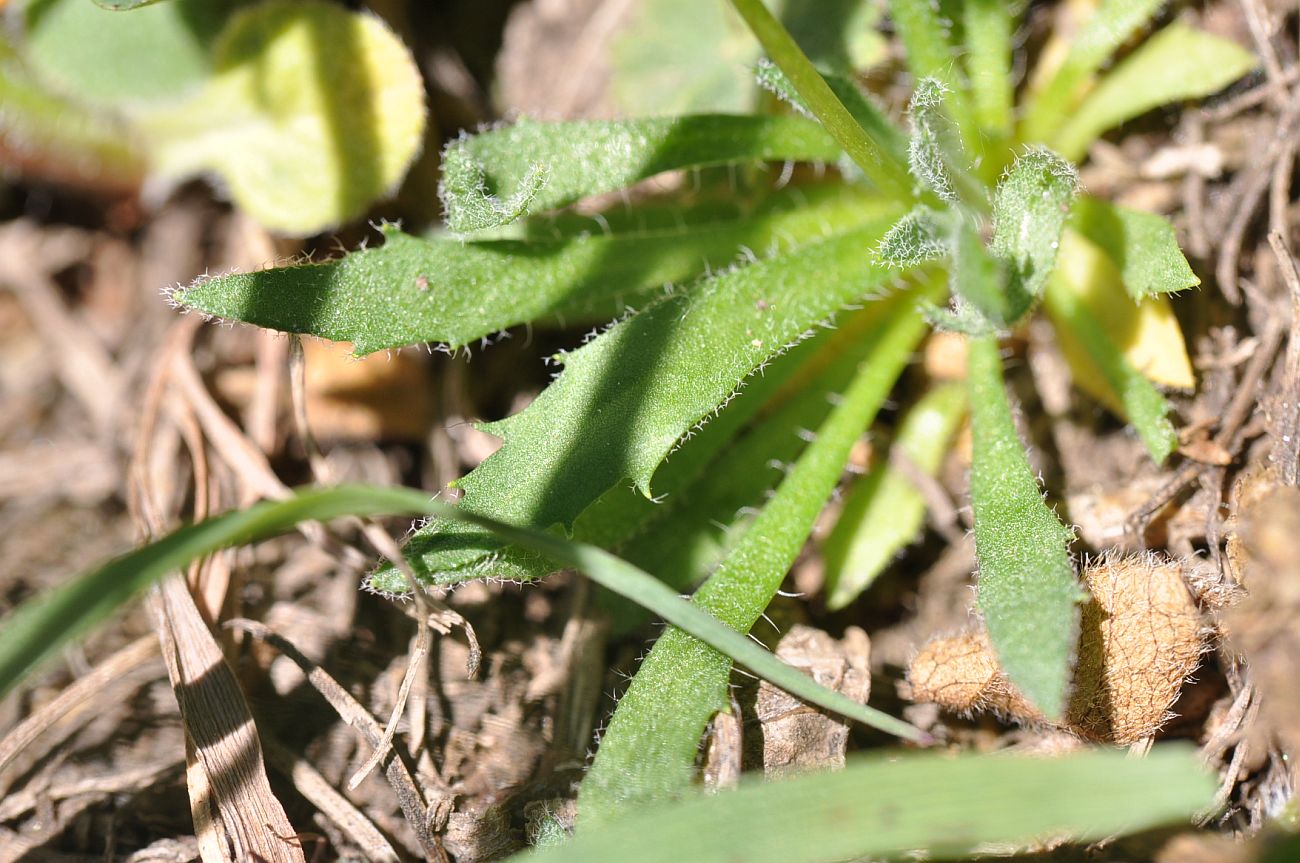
x: 496, y: 177
x: 989, y: 26
x: 1143, y: 246
x: 884, y: 512
x: 873, y: 156
x: 648, y: 751
x: 444, y: 291
x: 891, y: 808
x: 40, y: 627
x: 1144, y: 406
x: 1027, y: 588
x: 1177, y: 63
x: 626, y: 399
x: 874, y: 808
x: 930, y: 54
x: 1105, y: 30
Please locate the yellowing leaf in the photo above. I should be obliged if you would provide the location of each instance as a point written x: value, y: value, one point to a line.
x: 1146, y: 332
x: 312, y: 113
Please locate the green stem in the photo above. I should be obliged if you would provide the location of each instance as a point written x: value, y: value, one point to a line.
x: 871, y: 156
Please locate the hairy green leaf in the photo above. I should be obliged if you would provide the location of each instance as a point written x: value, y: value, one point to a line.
x: 443, y: 291
x: 914, y: 239
x: 622, y: 512
x: 692, y: 531
x: 884, y: 511
x: 892, y: 807
x: 1143, y: 405
x: 933, y: 147
x: 496, y: 177
x: 930, y: 54
x: 870, y: 154
x: 1104, y: 31
x: 1030, y: 207
x: 1142, y: 246
x: 39, y: 627
x: 312, y: 113
x: 626, y: 399
x: 1027, y: 588
x: 1179, y: 62
x: 648, y: 750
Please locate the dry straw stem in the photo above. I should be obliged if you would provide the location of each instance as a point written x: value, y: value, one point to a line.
x: 1142, y: 635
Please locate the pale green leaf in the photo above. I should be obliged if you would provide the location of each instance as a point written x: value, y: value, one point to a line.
x: 884, y: 511
x: 444, y: 291
x: 1179, y: 62
x: 648, y: 750
x: 45, y: 135
x: 626, y: 399
x: 1107, y: 28
x: 312, y: 113
x: 1030, y: 207
x: 494, y: 178
x: 1144, y: 406
x: 893, y: 807
x: 99, y: 57
x: 1142, y: 246
x: 1027, y: 589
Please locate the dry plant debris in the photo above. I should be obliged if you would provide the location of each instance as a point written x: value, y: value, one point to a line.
x: 1141, y: 637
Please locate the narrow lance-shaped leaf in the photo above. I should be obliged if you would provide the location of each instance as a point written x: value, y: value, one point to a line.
x: 1143, y: 246
x: 1030, y: 207
x: 1027, y: 588
x: 626, y: 399
x: 623, y: 512
x: 694, y: 529
x: 933, y: 150
x: 41, y: 626
x: 893, y: 807
x: 930, y: 54
x: 1104, y: 30
x: 443, y: 291
x: 1143, y: 405
x: 494, y: 178
x: 885, y: 511
x: 870, y: 154
x: 648, y: 750
x: 1177, y: 63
